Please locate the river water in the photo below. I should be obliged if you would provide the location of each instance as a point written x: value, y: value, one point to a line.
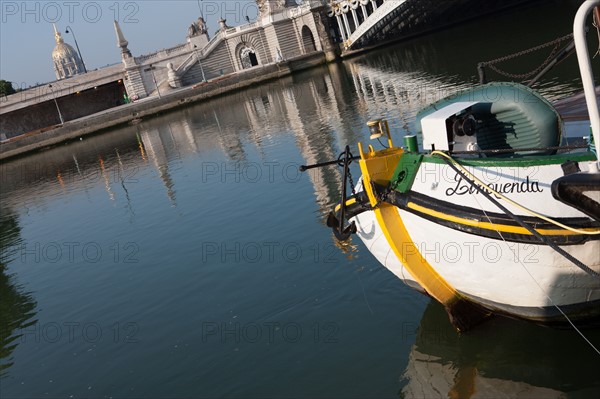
x: 186, y: 256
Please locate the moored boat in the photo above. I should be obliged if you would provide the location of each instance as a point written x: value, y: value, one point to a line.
x: 492, y: 213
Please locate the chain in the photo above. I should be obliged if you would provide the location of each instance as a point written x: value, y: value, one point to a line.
x: 363, y: 205
x: 391, y: 187
x: 528, y: 74
x: 351, y: 180
x: 554, y: 43
x: 384, y: 196
x: 528, y: 51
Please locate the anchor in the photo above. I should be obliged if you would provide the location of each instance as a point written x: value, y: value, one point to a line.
x: 341, y: 231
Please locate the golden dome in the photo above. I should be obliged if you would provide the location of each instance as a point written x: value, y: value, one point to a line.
x: 62, y: 49
x: 66, y: 60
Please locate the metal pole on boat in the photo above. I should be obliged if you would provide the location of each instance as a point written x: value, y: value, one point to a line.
x: 304, y: 168
x: 585, y: 68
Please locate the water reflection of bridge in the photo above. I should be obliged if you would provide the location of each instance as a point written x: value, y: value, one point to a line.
x: 231, y: 123
x: 396, y: 95
x: 230, y: 126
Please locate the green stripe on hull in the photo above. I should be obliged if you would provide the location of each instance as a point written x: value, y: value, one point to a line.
x: 524, y: 161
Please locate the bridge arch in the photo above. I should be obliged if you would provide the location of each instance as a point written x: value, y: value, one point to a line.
x: 249, y: 52
x: 247, y: 56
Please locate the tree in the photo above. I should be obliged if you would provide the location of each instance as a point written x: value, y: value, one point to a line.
x: 6, y: 88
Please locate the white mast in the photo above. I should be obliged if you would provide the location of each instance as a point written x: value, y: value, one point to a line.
x: 585, y: 68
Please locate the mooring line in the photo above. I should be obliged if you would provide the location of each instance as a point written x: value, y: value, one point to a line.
x: 450, y: 162
x: 539, y: 286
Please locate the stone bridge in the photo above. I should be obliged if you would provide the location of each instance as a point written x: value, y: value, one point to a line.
x: 364, y: 23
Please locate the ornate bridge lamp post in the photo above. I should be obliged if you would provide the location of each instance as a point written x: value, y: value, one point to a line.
x: 70, y: 30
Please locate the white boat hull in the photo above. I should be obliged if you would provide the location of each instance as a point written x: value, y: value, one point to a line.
x: 502, y: 273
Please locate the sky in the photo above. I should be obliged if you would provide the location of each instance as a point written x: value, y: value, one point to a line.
x: 27, y: 35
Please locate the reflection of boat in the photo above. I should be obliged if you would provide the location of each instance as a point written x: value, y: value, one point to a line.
x: 445, y: 364
x: 494, y: 216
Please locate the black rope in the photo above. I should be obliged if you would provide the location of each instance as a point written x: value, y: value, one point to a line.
x: 383, y: 145
x: 520, y: 221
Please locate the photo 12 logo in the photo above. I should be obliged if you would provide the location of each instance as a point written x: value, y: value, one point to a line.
x: 234, y: 12
x: 250, y: 172
x: 267, y: 252
x: 68, y: 11
x: 270, y: 332
x: 88, y: 332
x: 71, y: 252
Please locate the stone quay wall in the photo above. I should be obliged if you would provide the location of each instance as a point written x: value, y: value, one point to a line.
x: 151, y: 106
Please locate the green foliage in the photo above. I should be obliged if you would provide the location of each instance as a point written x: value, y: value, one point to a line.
x: 6, y: 88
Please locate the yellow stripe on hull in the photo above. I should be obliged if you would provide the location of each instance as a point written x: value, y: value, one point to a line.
x: 503, y: 228
x: 378, y: 167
